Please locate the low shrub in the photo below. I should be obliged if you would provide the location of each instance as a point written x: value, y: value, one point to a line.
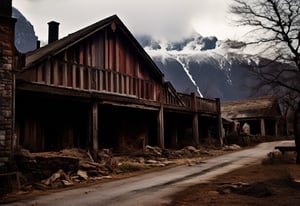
x: 274, y: 157
x: 131, y: 167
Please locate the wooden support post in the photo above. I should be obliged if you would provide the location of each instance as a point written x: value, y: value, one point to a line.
x: 262, y: 127
x: 160, y: 123
x: 174, y: 137
x: 195, y: 120
x: 276, y: 128
x: 219, y: 121
x: 95, y: 126
x: 196, y: 129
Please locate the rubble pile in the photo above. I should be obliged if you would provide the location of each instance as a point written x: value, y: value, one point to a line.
x: 64, y: 168
x: 48, y: 170
x: 36, y: 166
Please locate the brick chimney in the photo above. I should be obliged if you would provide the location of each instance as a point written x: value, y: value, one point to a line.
x: 38, y: 44
x: 7, y: 83
x: 52, y: 31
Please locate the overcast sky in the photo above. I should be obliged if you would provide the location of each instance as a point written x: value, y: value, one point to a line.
x: 163, y: 19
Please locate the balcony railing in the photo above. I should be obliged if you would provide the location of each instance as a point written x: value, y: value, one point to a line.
x: 82, y: 77
x: 199, y: 104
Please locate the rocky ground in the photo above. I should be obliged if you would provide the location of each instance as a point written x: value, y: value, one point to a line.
x: 274, y: 182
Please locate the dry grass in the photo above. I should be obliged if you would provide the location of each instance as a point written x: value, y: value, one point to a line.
x: 132, y: 167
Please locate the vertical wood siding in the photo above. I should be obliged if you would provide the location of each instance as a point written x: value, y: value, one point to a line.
x: 105, y: 62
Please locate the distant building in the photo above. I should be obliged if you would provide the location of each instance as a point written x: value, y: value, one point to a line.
x: 262, y: 114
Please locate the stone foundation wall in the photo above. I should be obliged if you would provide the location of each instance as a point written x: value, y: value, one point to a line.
x: 7, y: 51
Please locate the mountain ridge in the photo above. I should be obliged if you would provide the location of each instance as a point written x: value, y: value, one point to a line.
x: 25, y: 38
x: 220, y: 70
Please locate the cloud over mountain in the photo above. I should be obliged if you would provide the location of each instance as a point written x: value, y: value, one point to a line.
x: 204, y: 65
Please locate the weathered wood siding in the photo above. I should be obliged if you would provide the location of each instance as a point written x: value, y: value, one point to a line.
x: 104, y: 62
x: 44, y: 124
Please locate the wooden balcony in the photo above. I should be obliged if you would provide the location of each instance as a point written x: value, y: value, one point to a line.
x: 207, y: 105
x: 189, y: 101
x: 81, y: 77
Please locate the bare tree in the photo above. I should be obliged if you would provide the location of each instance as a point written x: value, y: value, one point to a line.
x: 275, y: 28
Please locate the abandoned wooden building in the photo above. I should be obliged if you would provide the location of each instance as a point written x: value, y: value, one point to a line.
x: 262, y: 114
x: 98, y: 88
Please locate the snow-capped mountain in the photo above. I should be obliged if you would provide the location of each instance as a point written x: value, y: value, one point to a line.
x: 25, y: 39
x: 204, y: 65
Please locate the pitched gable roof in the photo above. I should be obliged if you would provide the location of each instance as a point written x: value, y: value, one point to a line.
x: 57, y: 46
x: 266, y: 106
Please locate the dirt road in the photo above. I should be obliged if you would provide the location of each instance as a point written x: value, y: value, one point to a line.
x: 154, y: 188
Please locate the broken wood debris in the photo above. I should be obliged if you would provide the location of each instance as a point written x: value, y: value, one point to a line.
x: 64, y: 168
x: 47, y: 170
x: 82, y: 174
